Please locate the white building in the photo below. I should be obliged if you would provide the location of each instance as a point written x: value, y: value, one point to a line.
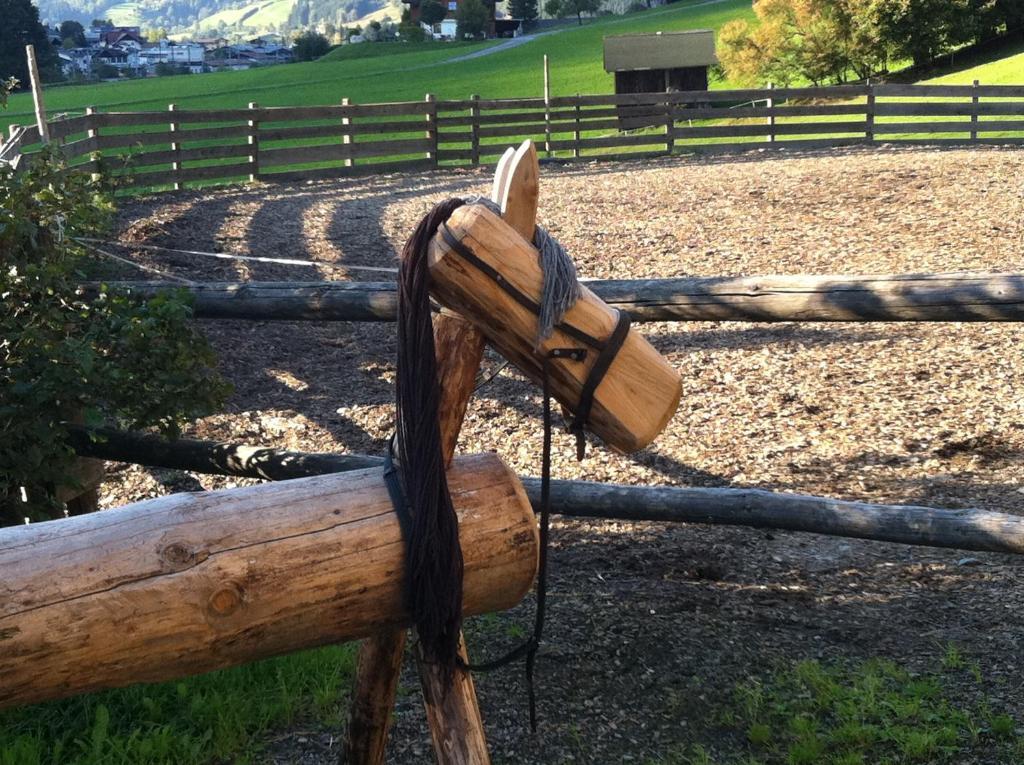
x: 75, y: 61
x: 126, y: 58
x: 443, y: 30
x: 177, y: 54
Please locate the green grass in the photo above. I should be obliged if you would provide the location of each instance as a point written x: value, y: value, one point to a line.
x: 575, y: 54
x: 197, y: 720
x: 1004, y: 66
x: 868, y: 713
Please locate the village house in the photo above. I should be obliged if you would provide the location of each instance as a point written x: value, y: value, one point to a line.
x: 123, y: 59
x: 76, y: 62
x: 185, y: 54
x: 446, y: 29
x: 126, y: 50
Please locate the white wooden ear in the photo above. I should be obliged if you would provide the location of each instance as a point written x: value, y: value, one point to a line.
x: 522, y: 190
x: 501, y: 175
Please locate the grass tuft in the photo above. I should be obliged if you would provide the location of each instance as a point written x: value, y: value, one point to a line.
x: 873, y: 712
x: 220, y: 715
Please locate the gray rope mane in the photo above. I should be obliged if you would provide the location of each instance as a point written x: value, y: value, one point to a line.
x: 560, y: 289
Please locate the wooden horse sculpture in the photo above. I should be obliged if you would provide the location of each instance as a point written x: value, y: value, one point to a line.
x: 485, y: 267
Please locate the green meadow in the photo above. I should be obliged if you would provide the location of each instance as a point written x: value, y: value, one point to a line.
x: 371, y: 73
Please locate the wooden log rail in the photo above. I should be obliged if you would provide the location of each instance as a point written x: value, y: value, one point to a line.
x: 971, y: 529
x: 886, y: 298
x: 193, y: 582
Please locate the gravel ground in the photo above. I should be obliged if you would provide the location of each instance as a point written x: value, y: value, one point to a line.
x: 650, y: 624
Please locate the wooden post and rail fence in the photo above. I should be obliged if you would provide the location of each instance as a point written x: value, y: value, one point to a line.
x: 150, y: 151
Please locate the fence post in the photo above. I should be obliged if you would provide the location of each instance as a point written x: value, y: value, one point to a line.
x: 346, y: 139
x: 432, y: 138
x: 770, y: 102
x: 254, y: 144
x: 547, y: 107
x: 576, y: 148
x: 474, y: 129
x: 670, y: 124
x: 869, y: 117
x: 37, y: 94
x: 974, y: 112
x: 92, y: 133
x: 175, y: 148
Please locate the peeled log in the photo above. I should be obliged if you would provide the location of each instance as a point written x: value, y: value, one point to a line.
x: 969, y: 529
x: 640, y: 392
x: 830, y: 298
x: 194, y: 582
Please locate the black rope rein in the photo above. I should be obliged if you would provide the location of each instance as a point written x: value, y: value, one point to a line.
x: 419, y: 489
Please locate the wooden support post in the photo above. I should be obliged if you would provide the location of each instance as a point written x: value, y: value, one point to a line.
x: 37, y: 94
x: 176, y: 148
x: 254, y: 144
x: 547, y: 107
x: 432, y: 137
x: 576, y: 148
x: 453, y: 713
x: 770, y: 102
x: 474, y: 128
x: 974, y: 112
x: 378, y: 668
x: 454, y: 718
x: 869, y: 117
x: 347, y: 138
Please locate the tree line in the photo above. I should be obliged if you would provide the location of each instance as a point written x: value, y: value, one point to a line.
x: 834, y: 41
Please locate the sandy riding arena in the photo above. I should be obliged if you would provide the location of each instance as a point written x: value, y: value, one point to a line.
x: 651, y: 626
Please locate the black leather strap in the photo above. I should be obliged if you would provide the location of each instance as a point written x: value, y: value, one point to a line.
x: 594, y: 378
x: 393, y: 482
x: 520, y: 297
x: 607, y: 349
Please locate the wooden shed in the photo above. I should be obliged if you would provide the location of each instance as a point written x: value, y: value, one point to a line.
x: 659, y: 62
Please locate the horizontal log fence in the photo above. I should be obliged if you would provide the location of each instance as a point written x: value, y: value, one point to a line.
x: 891, y: 298
x: 166, y: 149
x: 969, y: 529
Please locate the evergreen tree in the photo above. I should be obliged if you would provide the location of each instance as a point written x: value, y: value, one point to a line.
x: 310, y: 46
x: 563, y: 8
x: 432, y: 12
x: 21, y: 27
x: 72, y: 30
x: 471, y: 19
x: 525, y: 10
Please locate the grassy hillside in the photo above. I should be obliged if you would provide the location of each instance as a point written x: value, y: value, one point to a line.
x: 1002, y: 67
x: 260, y: 15
x: 380, y: 75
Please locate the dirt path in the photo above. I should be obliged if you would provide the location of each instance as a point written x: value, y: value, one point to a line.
x: 651, y: 624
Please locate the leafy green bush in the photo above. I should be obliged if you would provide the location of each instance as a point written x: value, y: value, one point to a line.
x: 67, y: 355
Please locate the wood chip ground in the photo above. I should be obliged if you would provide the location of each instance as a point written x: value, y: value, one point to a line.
x: 649, y: 624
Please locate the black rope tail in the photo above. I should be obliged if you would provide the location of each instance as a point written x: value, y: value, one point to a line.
x: 434, y: 565
x: 418, y: 485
